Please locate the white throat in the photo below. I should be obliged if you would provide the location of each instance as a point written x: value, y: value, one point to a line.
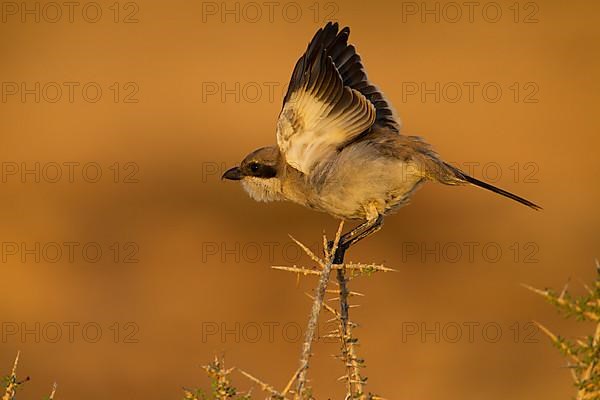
x: 261, y: 189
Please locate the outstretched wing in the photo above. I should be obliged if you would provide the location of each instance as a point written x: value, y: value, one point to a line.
x: 329, y: 101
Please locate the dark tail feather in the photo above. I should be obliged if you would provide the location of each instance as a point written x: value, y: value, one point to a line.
x: 495, y: 189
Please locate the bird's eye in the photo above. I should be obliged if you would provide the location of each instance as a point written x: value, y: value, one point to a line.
x: 254, y: 167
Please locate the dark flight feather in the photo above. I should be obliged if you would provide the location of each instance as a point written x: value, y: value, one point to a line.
x: 349, y: 65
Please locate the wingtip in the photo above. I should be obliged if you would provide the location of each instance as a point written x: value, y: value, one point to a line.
x: 334, y: 27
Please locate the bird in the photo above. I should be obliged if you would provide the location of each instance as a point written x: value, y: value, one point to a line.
x: 339, y: 147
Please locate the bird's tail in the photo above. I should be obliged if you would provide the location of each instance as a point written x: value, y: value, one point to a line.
x: 467, y: 178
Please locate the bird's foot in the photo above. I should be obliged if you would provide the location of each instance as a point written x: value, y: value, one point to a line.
x: 340, y: 251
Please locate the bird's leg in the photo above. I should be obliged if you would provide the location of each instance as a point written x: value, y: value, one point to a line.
x: 370, y: 227
x: 341, y: 248
x: 354, y: 236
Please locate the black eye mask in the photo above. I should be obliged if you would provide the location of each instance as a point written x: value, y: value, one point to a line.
x: 261, y: 170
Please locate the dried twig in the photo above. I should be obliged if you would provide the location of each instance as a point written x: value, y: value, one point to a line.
x: 264, y: 386
x: 314, y: 315
x: 355, y: 269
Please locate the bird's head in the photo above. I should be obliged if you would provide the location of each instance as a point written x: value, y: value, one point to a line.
x: 258, y: 173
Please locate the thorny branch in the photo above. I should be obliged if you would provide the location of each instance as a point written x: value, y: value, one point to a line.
x: 354, y: 381
x: 583, y: 354
x: 314, y: 315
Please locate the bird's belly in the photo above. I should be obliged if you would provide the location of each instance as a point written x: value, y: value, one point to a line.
x: 381, y: 185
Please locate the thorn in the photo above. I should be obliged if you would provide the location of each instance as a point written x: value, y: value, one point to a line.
x: 298, y: 270
x: 14, y: 369
x: 291, y: 382
x: 308, y: 252
x: 535, y: 290
x: 51, y: 397
x: 564, y: 291
x: 264, y: 386
x: 325, y: 246
x: 331, y: 336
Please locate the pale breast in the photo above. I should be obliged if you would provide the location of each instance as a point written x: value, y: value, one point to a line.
x: 361, y: 178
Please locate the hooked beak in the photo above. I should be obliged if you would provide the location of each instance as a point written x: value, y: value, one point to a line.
x: 233, y: 174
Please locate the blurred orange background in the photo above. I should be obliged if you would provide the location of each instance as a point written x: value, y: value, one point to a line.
x: 159, y: 98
